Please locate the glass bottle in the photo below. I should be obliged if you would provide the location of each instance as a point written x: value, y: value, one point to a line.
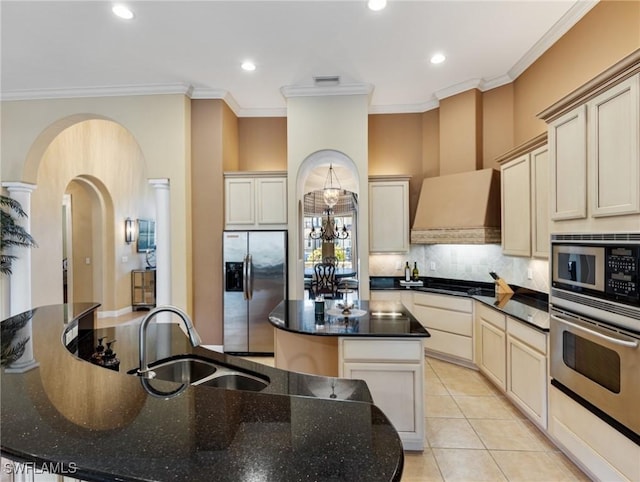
x: 407, y: 272
x: 415, y: 272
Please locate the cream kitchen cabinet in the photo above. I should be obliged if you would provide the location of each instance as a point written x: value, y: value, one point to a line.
x: 394, y: 372
x: 449, y: 320
x: 527, y: 370
x: 514, y: 357
x: 403, y: 296
x: 255, y: 200
x: 525, y: 206
x: 594, y: 150
x: 388, y: 214
x: 491, y: 345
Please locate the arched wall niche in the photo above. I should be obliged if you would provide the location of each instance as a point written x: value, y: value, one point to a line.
x: 311, y: 176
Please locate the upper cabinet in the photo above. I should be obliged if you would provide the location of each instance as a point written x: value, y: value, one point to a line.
x: 255, y: 200
x: 524, y: 180
x: 388, y: 214
x: 594, y: 150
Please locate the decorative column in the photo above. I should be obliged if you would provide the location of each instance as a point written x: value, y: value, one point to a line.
x: 163, y: 240
x: 163, y: 244
x: 20, y: 279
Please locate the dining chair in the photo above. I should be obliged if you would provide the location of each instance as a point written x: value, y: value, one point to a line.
x: 324, y: 281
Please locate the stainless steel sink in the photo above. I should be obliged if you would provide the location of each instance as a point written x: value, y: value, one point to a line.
x: 191, y: 370
x: 183, y: 370
x: 235, y: 381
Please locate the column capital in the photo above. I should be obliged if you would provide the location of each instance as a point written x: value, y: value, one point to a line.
x: 17, y: 186
x: 159, y: 183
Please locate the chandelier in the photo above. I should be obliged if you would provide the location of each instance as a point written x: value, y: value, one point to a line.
x: 329, y: 230
x: 331, y: 193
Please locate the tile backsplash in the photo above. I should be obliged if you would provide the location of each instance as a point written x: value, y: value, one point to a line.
x: 467, y: 262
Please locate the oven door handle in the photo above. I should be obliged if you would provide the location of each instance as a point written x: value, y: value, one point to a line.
x: 617, y: 341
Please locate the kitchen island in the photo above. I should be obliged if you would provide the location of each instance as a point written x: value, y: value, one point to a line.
x: 380, y: 342
x: 69, y: 416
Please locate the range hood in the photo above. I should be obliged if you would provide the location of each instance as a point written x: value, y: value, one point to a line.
x: 461, y: 208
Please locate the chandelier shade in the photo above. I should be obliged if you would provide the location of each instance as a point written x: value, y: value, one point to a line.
x: 331, y: 192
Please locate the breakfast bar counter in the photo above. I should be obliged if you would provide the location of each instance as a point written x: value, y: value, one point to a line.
x: 380, y: 342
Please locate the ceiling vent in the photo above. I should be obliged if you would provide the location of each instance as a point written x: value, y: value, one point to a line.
x: 326, y: 80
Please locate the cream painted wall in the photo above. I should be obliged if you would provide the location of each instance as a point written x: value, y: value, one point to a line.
x: 337, y: 122
x: 30, y: 126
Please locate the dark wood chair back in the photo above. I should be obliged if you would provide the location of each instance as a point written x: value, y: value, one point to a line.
x: 324, y: 281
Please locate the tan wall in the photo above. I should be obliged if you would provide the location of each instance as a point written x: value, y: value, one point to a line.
x: 395, y: 147
x: 461, y: 132
x: 609, y: 32
x: 82, y: 242
x: 430, y: 144
x: 262, y: 143
x: 497, y: 134
x: 208, y: 121
x: 230, y: 140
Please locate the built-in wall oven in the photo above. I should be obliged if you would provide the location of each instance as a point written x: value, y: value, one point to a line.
x: 595, y: 324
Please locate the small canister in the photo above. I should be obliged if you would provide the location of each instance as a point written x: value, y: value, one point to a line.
x: 319, y: 310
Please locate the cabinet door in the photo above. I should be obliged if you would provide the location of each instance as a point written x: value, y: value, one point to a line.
x: 493, y: 353
x: 527, y: 379
x: 397, y: 390
x: 240, y: 201
x: 272, y: 200
x: 540, y: 240
x: 614, y: 158
x: 388, y: 216
x: 568, y: 153
x: 516, y: 207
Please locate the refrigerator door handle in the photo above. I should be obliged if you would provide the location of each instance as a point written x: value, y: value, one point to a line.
x: 248, y: 287
x: 245, y: 281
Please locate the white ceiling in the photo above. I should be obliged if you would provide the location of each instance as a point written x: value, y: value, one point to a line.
x: 54, y: 49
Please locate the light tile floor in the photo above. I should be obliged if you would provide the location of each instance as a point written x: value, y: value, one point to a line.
x: 474, y: 433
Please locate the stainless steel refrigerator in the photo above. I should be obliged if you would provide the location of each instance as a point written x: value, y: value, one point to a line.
x: 255, y: 281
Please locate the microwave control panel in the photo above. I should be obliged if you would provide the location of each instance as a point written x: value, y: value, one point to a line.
x: 622, y: 265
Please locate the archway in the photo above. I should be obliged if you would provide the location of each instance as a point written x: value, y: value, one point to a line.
x: 92, y: 253
x: 311, y: 177
x: 101, y: 165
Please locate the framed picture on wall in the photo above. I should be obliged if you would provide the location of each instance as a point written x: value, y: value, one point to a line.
x: 146, y: 235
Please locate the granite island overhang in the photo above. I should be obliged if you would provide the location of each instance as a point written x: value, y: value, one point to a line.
x: 63, y: 414
x: 380, y: 342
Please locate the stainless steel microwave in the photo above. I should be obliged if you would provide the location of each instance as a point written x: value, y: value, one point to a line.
x: 598, y: 275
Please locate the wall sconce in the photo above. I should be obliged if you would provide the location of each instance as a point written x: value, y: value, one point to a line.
x: 129, y: 230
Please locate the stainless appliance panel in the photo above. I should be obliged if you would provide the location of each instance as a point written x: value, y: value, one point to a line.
x: 598, y: 363
x: 255, y: 272
x: 581, y: 266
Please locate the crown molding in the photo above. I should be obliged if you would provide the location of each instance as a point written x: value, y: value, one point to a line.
x: 111, y: 91
x: 289, y: 91
x: 561, y: 27
x: 405, y: 108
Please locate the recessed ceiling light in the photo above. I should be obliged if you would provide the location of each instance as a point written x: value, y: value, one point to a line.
x: 376, y: 5
x: 438, y: 58
x: 122, y: 12
x: 248, y: 66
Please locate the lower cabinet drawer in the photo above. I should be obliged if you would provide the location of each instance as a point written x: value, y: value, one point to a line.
x: 450, y: 344
x: 382, y: 349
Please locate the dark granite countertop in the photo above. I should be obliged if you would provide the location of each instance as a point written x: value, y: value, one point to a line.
x: 98, y: 423
x: 367, y: 319
x: 528, y: 306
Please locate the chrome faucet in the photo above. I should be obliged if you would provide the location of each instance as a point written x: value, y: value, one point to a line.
x: 194, y: 338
